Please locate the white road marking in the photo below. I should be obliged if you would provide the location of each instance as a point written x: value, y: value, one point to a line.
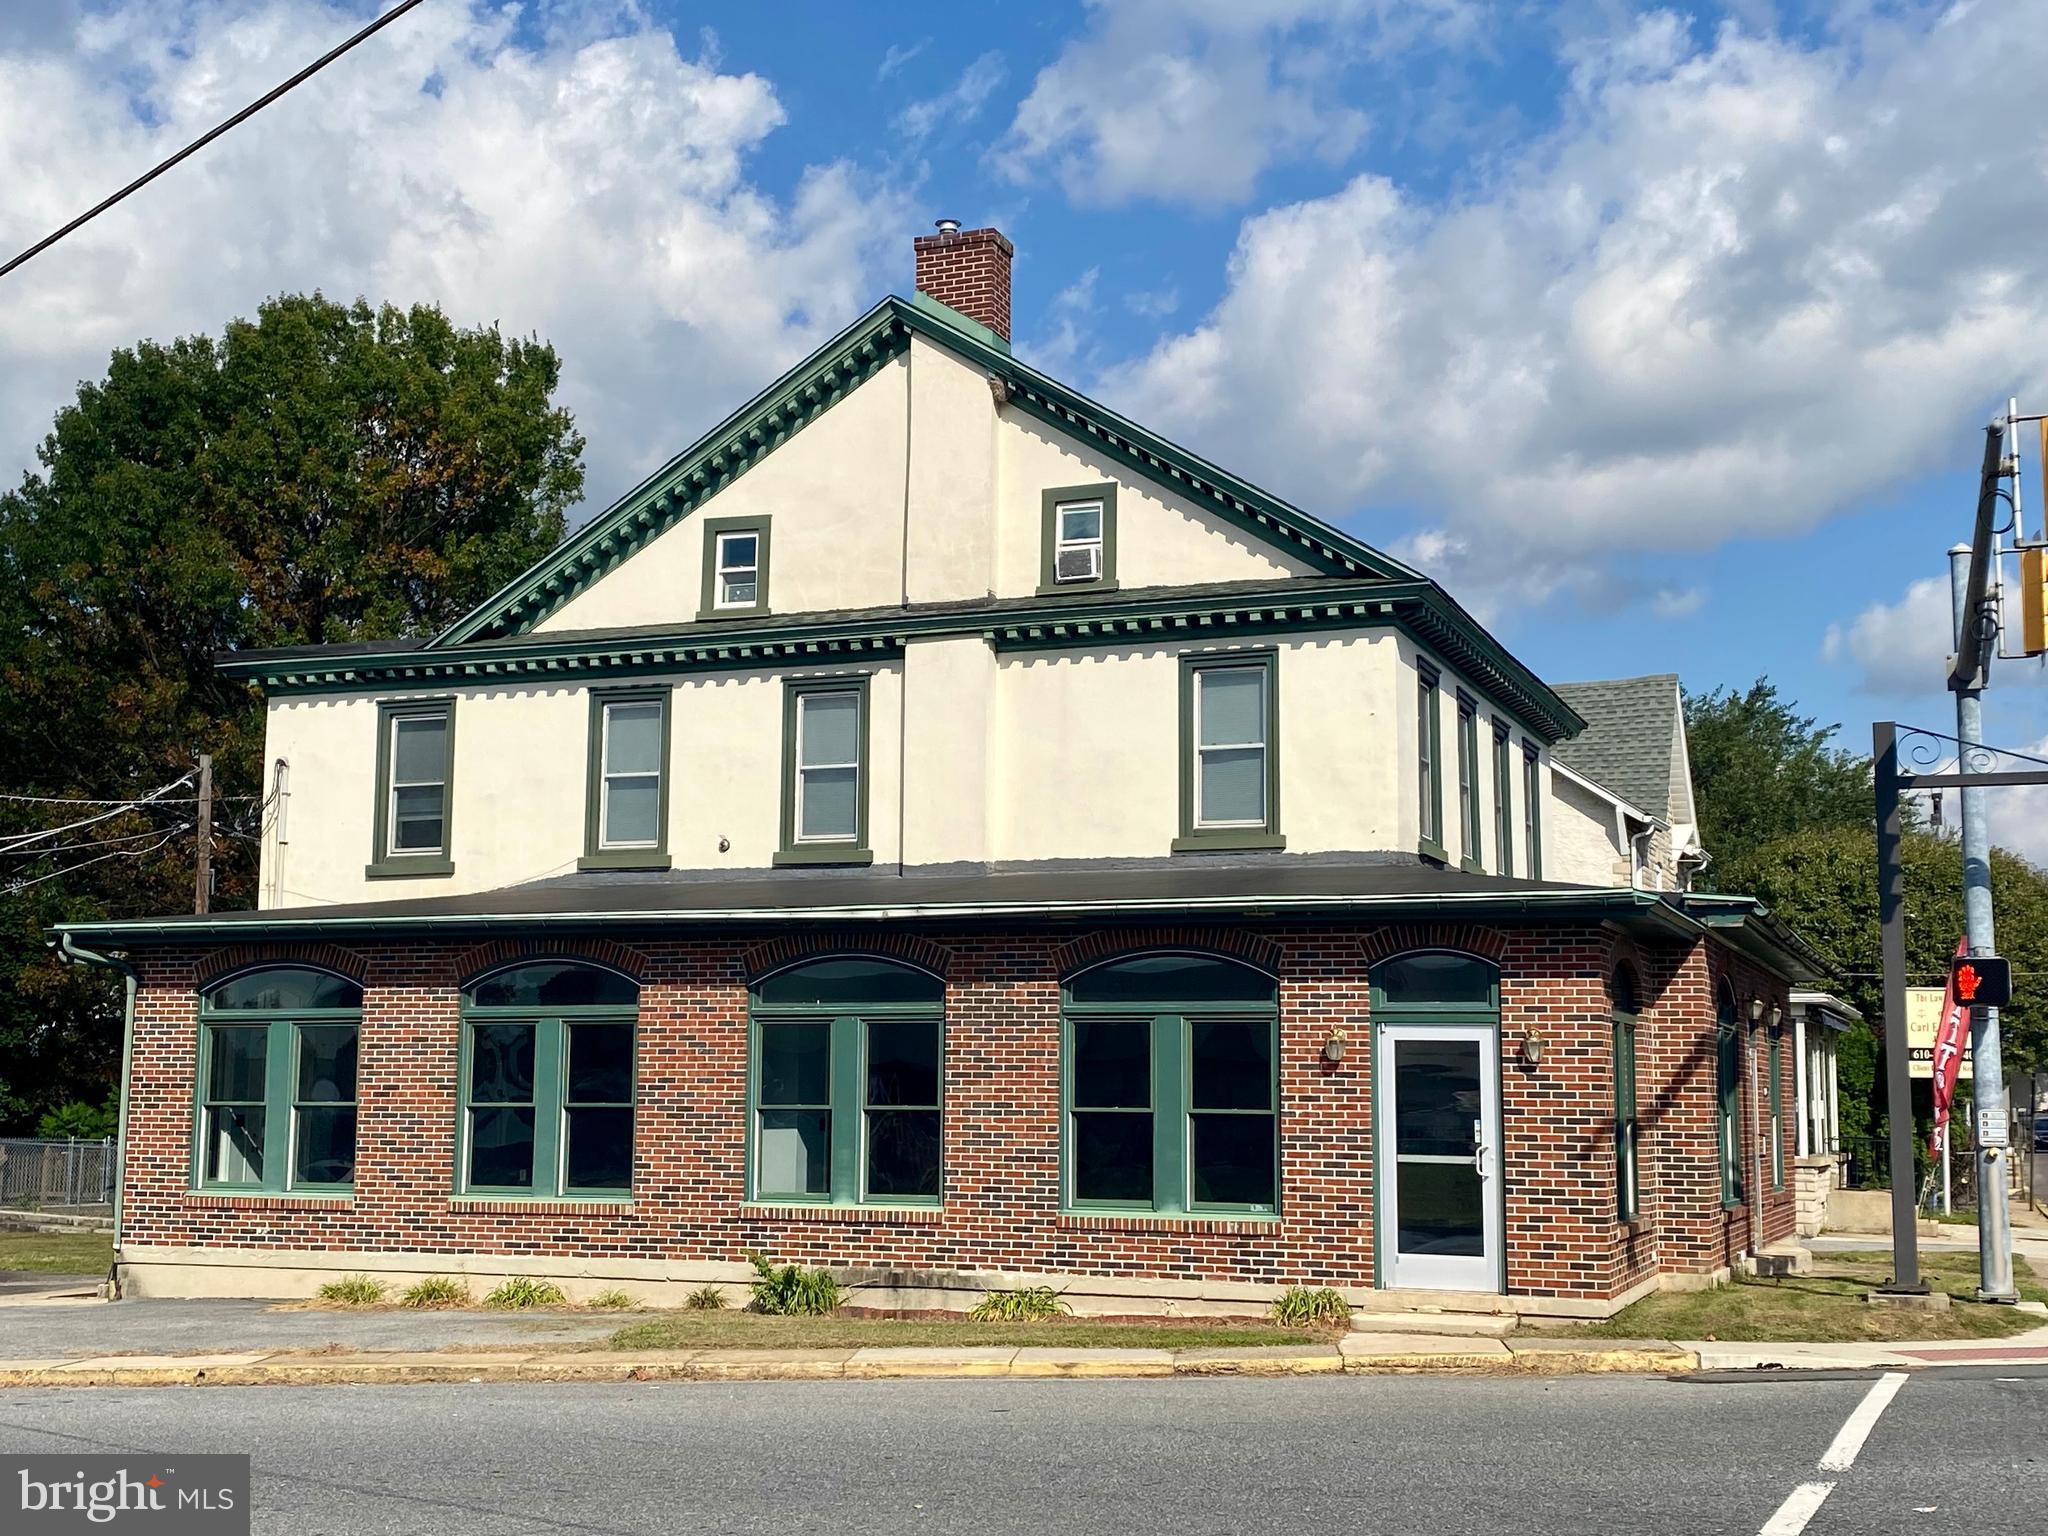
x: 1800, y: 1506
x: 1841, y: 1455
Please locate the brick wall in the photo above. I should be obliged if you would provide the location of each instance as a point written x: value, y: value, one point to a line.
x: 1001, y: 1134
x: 968, y: 270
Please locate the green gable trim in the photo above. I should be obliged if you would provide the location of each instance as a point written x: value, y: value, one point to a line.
x: 813, y: 386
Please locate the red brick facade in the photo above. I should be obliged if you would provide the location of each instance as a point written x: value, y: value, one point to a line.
x: 1001, y: 1136
x: 968, y: 270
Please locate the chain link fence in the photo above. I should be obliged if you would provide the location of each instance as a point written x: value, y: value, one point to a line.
x: 56, y: 1175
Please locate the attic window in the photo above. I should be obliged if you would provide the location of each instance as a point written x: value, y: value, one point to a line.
x: 1079, y: 539
x: 735, y: 567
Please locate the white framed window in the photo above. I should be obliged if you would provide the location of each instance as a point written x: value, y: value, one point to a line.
x: 417, y: 811
x: 1230, y: 746
x: 1077, y: 541
x: 828, y: 766
x: 629, y: 815
x: 738, y: 580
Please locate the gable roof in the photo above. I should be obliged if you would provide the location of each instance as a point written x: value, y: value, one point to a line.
x: 834, y: 370
x: 1630, y: 743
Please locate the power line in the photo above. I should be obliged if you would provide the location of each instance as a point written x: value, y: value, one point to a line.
x: 121, y: 808
x: 80, y: 800
x: 97, y: 842
x: 15, y: 887
x: 210, y: 135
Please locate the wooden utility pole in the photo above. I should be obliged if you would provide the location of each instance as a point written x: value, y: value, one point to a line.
x: 202, y: 859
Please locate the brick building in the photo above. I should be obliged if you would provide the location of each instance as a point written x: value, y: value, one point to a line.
x: 936, y: 828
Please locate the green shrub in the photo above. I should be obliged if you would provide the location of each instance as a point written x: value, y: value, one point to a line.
x: 1033, y: 1305
x: 353, y: 1291
x: 706, y: 1298
x: 521, y: 1292
x: 1300, y: 1307
x: 790, y: 1290
x: 435, y: 1291
x: 612, y: 1301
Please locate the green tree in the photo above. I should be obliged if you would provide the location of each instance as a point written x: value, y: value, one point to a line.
x: 1762, y: 771
x: 323, y: 473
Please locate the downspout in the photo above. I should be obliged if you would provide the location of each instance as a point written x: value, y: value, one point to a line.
x: 78, y: 954
x: 1756, y: 1149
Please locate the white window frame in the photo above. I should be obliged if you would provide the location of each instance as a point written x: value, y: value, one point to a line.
x: 801, y: 767
x: 605, y: 774
x: 391, y: 789
x: 1061, y: 544
x: 721, y: 572
x: 1265, y: 816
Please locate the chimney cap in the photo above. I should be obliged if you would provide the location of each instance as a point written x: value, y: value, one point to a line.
x: 948, y: 226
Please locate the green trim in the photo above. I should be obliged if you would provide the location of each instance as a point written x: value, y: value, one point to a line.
x: 1050, y: 502
x: 1532, y: 809
x: 945, y: 312
x: 1471, y: 826
x: 1429, y: 761
x: 1194, y: 838
x: 819, y: 851
x: 280, y: 1102
x: 1628, y: 1189
x: 708, y: 608
x: 595, y: 856
x: 1728, y: 1094
x: 385, y: 865
x: 1775, y: 1037
x: 1503, y: 796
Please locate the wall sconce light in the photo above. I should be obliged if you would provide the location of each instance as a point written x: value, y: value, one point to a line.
x: 1756, y: 1010
x: 1532, y: 1047
x: 1776, y: 1013
x: 1333, y: 1048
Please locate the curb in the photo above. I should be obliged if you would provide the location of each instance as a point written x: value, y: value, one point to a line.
x: 822, y: 1365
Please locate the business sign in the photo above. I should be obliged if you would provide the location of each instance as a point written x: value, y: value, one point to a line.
x: 1923, y: 1024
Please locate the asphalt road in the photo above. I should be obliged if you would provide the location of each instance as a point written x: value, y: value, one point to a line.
x: 1955, y: 1452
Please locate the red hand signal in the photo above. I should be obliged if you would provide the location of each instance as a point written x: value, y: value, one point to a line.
x: 1966, y: 982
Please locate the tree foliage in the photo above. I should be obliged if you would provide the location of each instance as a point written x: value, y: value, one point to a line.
x: 325, y: 472
x: 1762, y: 771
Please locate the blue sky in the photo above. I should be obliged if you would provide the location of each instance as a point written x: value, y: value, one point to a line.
x: 1664, y: 338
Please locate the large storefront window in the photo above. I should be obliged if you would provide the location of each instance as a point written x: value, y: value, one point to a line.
x: 547, y: 1082
x: 1171, y: 1086
x: 1728, y: 1086
x: 847, y: 1084
x: 277, y: 1081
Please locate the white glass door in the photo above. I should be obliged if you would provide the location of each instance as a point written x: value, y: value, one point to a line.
x: 1439, y: 1205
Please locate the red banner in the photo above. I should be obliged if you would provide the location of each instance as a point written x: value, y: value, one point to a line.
x: 1950, y: 1037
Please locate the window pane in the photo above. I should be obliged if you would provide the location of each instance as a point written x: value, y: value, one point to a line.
x: 417, y: 810
x: 238, y: 1060
x: 739, y: 592
x: 1233, y: 705
x: 1436, y: 1098
x: 501, y: 1064
x: 796, y: 1063
x: 600, y: 1063
x: 419, y: 749
x: 285, y: 990
x: 1233, y: 785
x: 501, y: 1148
x: 554, y: 986
x: 326, y: 1150
x: 1233, y: 1160
x: 327, y: 1063
x: 1441, y: 1210
x: 1113, y: 1158
x: 903, y: 1153
x: 850, y: 983
x: 1112, y: 1064
x: 738, y: 551
x: 633, y: 738
x: 1232, y: 1064
x: 600, y: 1151
x: 795, y: 1153
x: 632, y: 811
x: 829, y: 728
x: 1081, y: 523
x: 830, y: 804
x: 234, y: 1145
x: 1436, y: 979
x: 1167, y: 979
x: 903, y: 1063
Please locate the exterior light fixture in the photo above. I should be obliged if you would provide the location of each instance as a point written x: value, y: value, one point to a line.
x: 1774, y: 1016
x: 1756, y: 1010
x: 1333, y: 1047
x: 1532, y: 1047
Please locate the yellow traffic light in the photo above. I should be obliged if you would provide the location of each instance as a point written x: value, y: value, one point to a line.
x: 2034, y: 600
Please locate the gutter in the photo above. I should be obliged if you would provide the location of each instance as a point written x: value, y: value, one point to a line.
x: 78, y: 954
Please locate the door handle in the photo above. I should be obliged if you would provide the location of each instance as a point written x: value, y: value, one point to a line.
x: 1478, y: 1153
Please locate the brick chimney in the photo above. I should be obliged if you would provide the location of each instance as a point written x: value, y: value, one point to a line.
x: 967, y: 270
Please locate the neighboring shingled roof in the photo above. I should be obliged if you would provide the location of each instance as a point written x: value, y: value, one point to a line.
x: 1630, y: 742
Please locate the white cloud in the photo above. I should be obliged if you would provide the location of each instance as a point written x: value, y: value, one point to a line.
x: 896, y: 55
x: 1189, y: 101
x: 2019, y: 816
x: 961, y: 102
x: 590, y: 186
x: 1677, y: 602
x: 1899, y: 650
x: 1742, y: 287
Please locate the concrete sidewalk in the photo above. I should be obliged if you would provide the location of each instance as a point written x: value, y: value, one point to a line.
x: 2030, y: 1348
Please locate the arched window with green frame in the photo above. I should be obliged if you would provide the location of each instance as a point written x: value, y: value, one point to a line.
x: 1170, y: 1086
x: 277, y: 1081
x: 846, y: 1084
x: 1728, y: 1092
x: 547, y: 1086
x: 1623, y: 1001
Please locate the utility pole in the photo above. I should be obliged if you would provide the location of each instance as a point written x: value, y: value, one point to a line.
x: 202, y: 856
x: 1970, y: 582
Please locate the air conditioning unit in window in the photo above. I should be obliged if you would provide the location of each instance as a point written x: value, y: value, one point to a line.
x: 1083, y: 563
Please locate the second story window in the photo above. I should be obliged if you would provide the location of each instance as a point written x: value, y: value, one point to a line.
x: 1230, y: 785
x: 825, y: 773
x: 1503, y: 800
x: 1079, y: 539
x: 1429, y: 773
x: 1468, y: 781
x: 1532, y: 811
x: 735, y: 567
x: 626, y: 819
x: 415, y: 757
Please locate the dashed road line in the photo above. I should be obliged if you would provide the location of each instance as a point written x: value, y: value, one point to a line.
x: 1804, y: 1502
x: 1800, y: 1506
